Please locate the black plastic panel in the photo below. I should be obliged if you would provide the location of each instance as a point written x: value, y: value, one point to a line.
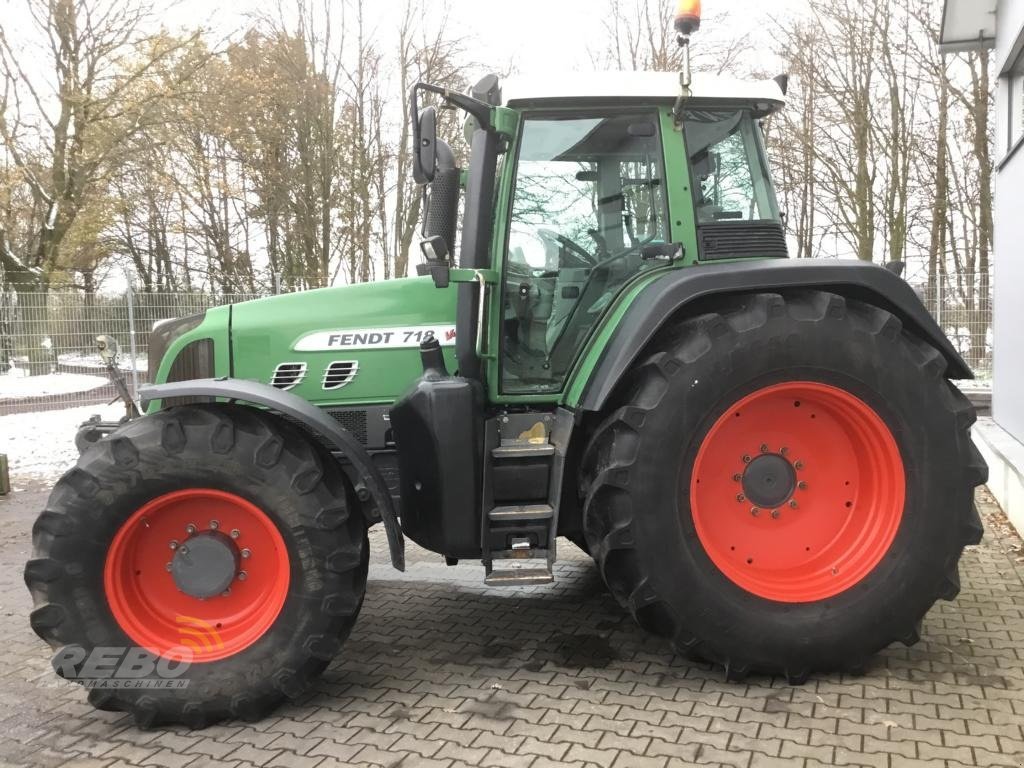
x: 521, y: 480
x: 741, y: 239
x: 438, y: 429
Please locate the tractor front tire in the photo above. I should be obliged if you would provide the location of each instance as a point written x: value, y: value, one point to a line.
x: 784, y: 484
x: 216, y: 547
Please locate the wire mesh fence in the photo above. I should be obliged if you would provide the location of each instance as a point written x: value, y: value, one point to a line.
x: 49, y: 360
x: 48, y: 354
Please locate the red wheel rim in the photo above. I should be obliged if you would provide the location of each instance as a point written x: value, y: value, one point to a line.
x: 160, y: 617
x: 797, y: 491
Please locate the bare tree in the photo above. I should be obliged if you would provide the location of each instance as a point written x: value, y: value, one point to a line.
x: 64, y: 130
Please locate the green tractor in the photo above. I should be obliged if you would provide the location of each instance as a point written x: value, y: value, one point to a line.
x: 765, y: 457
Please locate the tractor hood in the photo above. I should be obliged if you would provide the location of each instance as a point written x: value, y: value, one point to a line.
x: 350, y: 345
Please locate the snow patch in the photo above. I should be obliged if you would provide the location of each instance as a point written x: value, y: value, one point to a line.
x: 18, y: 387
x: 93, y: 360
x: 40, y: 446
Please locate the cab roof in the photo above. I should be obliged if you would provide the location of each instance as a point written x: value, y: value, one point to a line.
x: 607, y: 87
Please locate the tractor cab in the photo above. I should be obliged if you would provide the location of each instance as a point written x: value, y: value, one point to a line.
x: 589, y: 183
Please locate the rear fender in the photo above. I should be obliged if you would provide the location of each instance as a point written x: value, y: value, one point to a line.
x: 370, y: 487
x: 661, y: 300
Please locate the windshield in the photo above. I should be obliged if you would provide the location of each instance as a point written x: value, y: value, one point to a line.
x: 588, y: 198
x: 730, y: 179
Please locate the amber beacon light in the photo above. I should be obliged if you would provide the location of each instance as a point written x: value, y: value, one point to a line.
x: 687, y: 17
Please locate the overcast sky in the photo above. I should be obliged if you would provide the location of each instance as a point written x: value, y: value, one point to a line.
x: 531, y: 35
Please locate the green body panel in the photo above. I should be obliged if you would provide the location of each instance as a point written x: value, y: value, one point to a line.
x: 265, y: 333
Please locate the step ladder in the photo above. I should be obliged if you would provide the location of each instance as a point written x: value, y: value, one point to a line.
x: 525, y: 460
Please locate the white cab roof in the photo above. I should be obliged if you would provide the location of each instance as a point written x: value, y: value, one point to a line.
x: 653, y: 86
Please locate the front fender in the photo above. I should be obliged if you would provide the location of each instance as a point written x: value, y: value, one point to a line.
x: 371, y: 488
x: 657, y: 302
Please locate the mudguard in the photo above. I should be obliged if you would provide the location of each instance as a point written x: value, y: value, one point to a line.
x: 371, y: 487
x: 670, y: 294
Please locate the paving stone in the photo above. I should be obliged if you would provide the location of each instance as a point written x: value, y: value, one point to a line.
x: 441, y: 672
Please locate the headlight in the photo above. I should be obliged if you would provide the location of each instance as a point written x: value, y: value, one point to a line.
x: 164, y: 333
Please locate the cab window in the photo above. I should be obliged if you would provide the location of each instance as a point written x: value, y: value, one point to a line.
x: 730, y: 178
x: 588, y: 201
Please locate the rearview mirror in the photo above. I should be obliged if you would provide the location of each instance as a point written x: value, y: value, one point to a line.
x: 436, y: 261
x: 434, y: 249
x: 425, y: 139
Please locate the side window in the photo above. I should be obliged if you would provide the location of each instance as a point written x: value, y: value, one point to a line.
x: 729, y: 178
x: 588, y: 197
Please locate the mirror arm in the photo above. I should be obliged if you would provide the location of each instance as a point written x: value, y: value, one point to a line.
x: 478, y: 109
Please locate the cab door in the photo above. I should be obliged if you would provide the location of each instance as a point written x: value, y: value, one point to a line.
x: 587, y: 214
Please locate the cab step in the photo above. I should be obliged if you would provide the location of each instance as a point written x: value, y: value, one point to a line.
x: 519, y: 512
x: 519, y: 577
x: 522, y: 450
x: 522, y: 485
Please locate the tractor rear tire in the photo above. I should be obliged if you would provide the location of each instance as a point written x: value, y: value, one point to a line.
x: 784, y: 484
x: 215, y: 534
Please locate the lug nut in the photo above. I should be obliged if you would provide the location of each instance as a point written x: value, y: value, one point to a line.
x: 246, y: 553
x: 798, y: 464
x: 737, y: 477
x: 755, y: 511
x: 242, y: 575
x: 235, y: 533
x: 173, y: 544
x: 764, y: 448
x: 746, y: 459
x: 214, y: 525
x: 184, y: 550
x: 190, y: 528
x: 168, y: 567
x: 740, y: 497
x: 775, y: 514
x: 783, y: 450
x: 792, y: 503
x: 802, y: 485
x: 226, y: 592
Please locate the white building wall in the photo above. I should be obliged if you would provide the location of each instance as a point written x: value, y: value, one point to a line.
x: 1008, y: 280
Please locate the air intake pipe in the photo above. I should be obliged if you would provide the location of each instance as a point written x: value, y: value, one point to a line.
x: 443, y: 198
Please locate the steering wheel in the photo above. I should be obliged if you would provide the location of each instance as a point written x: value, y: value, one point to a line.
x: 624, y: 252
x: 576, y: 251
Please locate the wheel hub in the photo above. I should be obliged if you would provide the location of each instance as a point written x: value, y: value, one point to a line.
x: 201, y: 569
x: 205, y: 565
x: 797, y: 491
x: 769, y: 480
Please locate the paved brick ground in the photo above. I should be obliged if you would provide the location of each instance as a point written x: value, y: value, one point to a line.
x: 443, y: 672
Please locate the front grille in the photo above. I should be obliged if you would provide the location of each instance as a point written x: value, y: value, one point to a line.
x: 287, y: 375
x: 742, y: 239
x: 353, y: 420
x: 339, y: 373
x: 194, y: 361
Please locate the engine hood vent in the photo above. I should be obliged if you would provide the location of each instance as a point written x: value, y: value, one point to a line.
x: 339, y: 373
x: 288, y: 375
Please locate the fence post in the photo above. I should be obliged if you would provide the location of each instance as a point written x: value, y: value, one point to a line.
x: 5, y: 476
x: 130, y: 295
